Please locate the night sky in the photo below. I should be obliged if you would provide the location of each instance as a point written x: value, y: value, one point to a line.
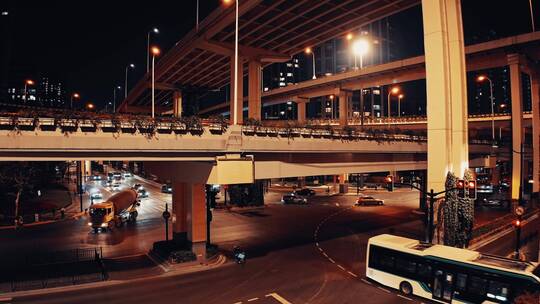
x: 87, y: 44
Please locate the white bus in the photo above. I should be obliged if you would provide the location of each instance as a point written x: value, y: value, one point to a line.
x: 447, y: 274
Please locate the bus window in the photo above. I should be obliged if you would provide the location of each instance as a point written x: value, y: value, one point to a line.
x: 498, y: 291
x: 448, y: 287
x: 405, y: 266
x: 423, y: 271
x: 477, y: 286
x: 386, y: 261
x: 461, y: 282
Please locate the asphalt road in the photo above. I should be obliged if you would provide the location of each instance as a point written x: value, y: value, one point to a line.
x: 296, y: 254
x: 284, y: 262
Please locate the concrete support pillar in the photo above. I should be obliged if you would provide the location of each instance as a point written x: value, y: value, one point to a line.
x: 177, y: 104
x: 446, y: 91
x: 240, y: 100
x: 517, y: 122
x: 86, y: 169
x: 301, y: 104
x: 343, y: 108
x: 189, y: 209
x: 179, y: 211
x: 535, y: 93
x: 254, y: 97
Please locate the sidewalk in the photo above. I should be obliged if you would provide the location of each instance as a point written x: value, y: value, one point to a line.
x: 54, y: 201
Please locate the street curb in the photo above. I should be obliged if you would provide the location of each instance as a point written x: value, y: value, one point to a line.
x: 73, y: 217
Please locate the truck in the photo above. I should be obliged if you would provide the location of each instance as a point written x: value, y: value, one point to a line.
x: 117, y: 210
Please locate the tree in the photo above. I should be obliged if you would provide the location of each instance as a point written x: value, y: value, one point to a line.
x: 457, y: 214
x: 18, y: 178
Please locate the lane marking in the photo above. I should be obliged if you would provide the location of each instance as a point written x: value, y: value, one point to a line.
x: 387, y: 291
x: 341, y: 267
x: 238, y: 303
x: 354, y: 275
x: 331, y: 260
x: 157, y: 263
x: 366, y: 281
x: 254, y: 299
x: 278, y: 298
x: 404, y: 297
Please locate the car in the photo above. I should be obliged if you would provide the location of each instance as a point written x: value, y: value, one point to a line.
x: 115, y: 186
x: 496, y: 203
x: 117, y: 175
x: 96, y: 177
x: 142, y: 193
x: 293, y: 199
x: 106, y: 183
x: 305, y: 192
x: 368, y: 201
x: 138, y: 187
x: 166, y: 188
x: 96, y: 196
x: 484, y: 188
x: 127, y: 174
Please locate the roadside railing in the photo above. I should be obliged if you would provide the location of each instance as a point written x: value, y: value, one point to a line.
x: 52, y: 269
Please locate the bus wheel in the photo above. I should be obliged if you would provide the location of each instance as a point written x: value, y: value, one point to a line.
x: 405, y: 288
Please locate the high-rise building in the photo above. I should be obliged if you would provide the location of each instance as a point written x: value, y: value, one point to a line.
x: 51, y: 93
x: 45, y: 93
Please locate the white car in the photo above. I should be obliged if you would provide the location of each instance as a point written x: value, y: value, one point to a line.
x: 96, y: 196
x: 116, y: 186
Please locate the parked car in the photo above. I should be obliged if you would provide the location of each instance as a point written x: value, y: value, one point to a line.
x: 368, y: 201
x: 305, y: 192
x: 166, y: 188
x: 96, y: 195
x: 142, y: 193
x: 496, y: 203
x: 293, y: 199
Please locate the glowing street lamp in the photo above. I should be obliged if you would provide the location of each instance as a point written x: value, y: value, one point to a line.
x: 90, y: 106
x: 27, y: 83
x: 308, y: 51
x: 155, y: 52
x: 393, y: 91
x: 74, y: 96
x: 360, y: 48
x: 482, y: 78
x: 154, y: 30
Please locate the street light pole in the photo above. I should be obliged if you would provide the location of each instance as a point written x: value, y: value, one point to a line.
x: 235, y: 101
x: 132, y: 66
x: 532, y: 16
x: 492, y: 100
x: 155, y: 30
x: 197, y: 20
x: 400, y: 97
x: 155, y: 52
x: 114, y: 97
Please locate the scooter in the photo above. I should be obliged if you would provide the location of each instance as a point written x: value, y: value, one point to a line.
x: 239, y: 256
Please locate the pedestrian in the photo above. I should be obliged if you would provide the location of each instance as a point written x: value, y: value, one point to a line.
x: 62, y: 212
x: 327, y: 190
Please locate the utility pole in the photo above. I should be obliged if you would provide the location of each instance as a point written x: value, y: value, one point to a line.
x: 166, y: 216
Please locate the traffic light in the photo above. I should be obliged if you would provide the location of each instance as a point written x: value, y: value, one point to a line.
x: 461, y: 188
x: 471, y: 186
x: 389, y: 180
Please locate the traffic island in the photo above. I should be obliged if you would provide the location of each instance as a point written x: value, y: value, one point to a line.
x: 177, y: 252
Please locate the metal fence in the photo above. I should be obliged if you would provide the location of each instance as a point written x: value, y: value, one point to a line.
x: 52, y: 269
